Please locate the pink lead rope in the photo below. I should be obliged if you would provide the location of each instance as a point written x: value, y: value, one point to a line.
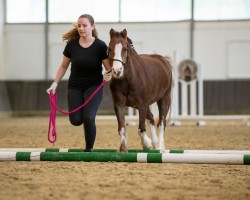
x: 54, y: 108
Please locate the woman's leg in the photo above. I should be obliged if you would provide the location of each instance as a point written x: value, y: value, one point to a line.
x: 75, y: 100
x: 89, y: 115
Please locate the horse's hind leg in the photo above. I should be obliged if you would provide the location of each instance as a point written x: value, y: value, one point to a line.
x: 164, y: 106
x: 151, y: 123
x: 145, y: 140
x: 161, y: 126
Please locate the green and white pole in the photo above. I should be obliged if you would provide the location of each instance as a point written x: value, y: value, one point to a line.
x: 242, y: 152
x: 231, y: 159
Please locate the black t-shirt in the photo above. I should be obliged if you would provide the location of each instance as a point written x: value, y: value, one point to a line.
x: 86, y: 63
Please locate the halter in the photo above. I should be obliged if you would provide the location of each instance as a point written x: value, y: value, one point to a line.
x: 124, y: 64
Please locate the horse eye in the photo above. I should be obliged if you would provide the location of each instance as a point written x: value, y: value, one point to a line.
x: 124, y: 49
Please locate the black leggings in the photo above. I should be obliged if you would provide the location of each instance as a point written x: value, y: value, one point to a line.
x: 87, y: 114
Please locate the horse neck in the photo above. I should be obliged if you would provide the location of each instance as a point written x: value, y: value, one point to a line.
x: 134, y: 60
x: 134, y: 65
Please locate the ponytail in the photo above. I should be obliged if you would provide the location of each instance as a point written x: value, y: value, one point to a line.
x: 72, y: 34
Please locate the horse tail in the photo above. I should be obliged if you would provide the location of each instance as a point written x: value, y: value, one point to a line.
x: 170, y: 65
x: 169, y: 61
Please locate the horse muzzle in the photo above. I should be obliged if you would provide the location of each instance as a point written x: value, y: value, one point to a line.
x: 117, y: 73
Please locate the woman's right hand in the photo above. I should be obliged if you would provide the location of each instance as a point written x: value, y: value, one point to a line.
x: 52, y: 88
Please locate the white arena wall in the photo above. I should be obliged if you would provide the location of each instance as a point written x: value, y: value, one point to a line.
x: 220, y: 48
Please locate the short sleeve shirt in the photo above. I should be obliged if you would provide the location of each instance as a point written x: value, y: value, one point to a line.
x: 86, y: 63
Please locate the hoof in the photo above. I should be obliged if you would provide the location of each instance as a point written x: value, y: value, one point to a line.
x: 156, y: 146
x: 162, y: 147
x: 123, y: 148
x: 147, y: 148
x: 145, y: 141
x: 147, y: 144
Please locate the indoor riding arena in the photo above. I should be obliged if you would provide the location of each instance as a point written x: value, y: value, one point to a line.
x: 199, y: 150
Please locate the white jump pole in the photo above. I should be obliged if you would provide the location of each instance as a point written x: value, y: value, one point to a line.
x: 233, y: 159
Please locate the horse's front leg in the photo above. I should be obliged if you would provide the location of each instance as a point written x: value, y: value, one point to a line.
x: 145, y: 140
x: 119, y: 111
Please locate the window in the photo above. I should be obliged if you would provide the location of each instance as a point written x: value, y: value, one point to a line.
x: 222, y: 9
x: 160, y: 10
x: 70, y: 10
x: 25, y: 11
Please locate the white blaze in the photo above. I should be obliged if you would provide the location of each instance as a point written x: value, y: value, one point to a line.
x: 117, y: 66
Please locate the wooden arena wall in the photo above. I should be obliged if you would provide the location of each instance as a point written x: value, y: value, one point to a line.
x: 30, y: 97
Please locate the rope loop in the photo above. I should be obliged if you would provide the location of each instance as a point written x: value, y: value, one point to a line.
x: 52, y: 136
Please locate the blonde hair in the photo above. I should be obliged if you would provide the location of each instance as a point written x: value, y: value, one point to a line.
x: 73, y: 33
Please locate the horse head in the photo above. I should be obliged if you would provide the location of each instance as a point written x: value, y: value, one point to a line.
x: 118, y: 52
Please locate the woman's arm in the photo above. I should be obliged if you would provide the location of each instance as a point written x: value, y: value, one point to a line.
x: 60, y: 73
x: 106, y: 64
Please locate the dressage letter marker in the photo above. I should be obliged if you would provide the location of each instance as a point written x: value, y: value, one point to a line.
x: 233, y: 159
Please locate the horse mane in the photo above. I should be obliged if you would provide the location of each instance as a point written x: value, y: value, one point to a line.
x: 130, y: 42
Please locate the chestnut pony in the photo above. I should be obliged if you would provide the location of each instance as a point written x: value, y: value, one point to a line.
x: 139, y: 81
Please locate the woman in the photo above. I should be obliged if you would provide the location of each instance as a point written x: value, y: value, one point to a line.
x: 86, y: 53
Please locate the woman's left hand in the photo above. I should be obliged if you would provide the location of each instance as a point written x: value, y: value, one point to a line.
x: 107, y: 75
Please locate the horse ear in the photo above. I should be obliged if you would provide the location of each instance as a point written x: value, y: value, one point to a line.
x: 111, y: 32
x: 124, y: 33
